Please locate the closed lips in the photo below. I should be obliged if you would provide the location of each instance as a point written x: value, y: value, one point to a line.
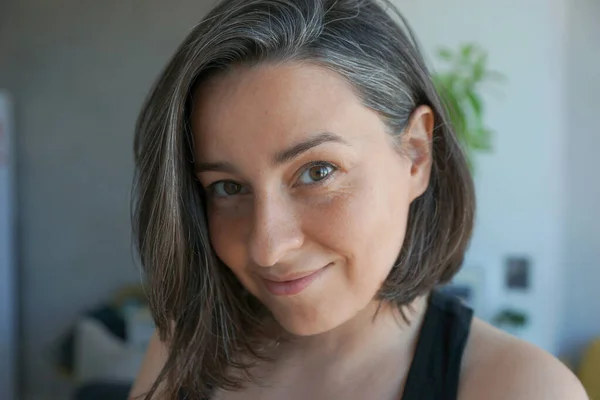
x: 292, y: 284
x: 292, y: 277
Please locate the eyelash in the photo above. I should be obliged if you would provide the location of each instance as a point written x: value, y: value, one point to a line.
x: 307, y: 167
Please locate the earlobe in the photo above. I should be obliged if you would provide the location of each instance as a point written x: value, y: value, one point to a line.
x: 418, y: 142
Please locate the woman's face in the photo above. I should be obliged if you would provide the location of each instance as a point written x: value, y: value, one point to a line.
x: 308, y: 197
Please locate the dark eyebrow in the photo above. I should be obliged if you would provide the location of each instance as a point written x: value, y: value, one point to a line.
x: 289, y: 154
x: 280, y: 158
x: 214, y: 167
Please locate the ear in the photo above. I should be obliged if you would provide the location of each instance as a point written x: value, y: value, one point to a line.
x: 418, y: 146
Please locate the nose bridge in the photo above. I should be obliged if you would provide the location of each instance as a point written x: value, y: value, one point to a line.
x: 276, y: 229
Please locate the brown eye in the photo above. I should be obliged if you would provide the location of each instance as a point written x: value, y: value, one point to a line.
x: 316, y: 173
x: 226, y: 188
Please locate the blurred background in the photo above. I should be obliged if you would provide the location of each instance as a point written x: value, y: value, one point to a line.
x: 73, y: 75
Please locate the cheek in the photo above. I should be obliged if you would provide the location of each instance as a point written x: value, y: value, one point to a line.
x: 227, y: 233
x: 366, y: 226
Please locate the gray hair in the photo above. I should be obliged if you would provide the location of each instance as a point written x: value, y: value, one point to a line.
x: 195, y: 300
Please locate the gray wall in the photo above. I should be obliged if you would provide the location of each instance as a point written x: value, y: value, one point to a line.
x: 78, y: 71
x: 582, y: 321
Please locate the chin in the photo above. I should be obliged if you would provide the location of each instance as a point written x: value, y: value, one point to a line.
x: 313, y: 322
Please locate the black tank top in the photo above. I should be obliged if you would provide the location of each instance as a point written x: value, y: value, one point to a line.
x: 435, y: 369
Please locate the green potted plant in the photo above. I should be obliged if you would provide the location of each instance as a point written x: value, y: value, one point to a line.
x: 460, y: 84
x: 511, y: 320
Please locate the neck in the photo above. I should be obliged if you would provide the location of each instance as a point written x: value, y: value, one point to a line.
x: 377, y: 330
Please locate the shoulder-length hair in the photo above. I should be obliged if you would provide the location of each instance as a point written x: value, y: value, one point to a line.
x: 196, y: 302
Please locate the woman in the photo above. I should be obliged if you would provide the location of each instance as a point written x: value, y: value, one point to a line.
x: 300, y: 195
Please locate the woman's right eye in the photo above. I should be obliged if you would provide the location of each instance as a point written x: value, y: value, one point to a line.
x: 226, y: 189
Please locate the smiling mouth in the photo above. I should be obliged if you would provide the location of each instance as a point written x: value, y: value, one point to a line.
x: 293, y: 284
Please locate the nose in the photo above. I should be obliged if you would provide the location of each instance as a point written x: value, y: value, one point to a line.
x: 276, y: 231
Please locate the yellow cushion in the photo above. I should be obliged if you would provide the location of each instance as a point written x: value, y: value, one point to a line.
x: 589, y: 370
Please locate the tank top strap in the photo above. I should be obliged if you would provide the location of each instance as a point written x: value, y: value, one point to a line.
x: 435, y: 369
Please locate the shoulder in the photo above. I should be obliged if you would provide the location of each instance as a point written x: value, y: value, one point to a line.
x: 497, y: 366
x: 153, y: 363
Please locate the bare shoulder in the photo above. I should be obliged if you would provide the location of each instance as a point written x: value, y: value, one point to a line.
x: 497, y: 366
x: 154, y: 361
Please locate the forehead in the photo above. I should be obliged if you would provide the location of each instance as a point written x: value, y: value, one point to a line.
x: 273, y: 105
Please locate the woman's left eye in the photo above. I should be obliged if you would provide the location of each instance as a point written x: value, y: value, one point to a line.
x: 316, y: 173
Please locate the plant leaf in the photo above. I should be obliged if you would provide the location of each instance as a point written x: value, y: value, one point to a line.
x: 481, y: 140
x: 459, y: 90
x: 467, y: 50
x: 445, y: 54
x: 457, y: 117
x: 475, y: 102
x: 479, y: 68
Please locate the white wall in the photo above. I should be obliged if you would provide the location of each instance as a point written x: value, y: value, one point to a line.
x: 520, y: 186
x: 583, y: 186
x: 78, y: 71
